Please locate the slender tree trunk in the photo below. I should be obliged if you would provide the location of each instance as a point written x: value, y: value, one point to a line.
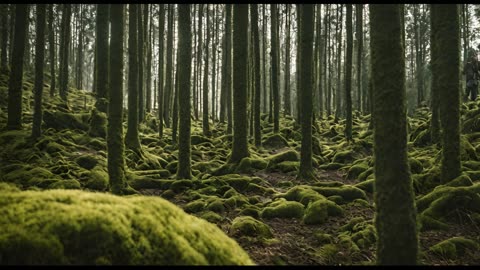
x: 318, y: 61
x: 348, y: 75
x: 148, y: 90
x: 51, y: 46
x: 184, y: 70
x: 175, y: 106
x: 240, y: 36
x: 445, y: 73
x: 200, y: 50
x: 169, y: 69
x: 256, y: 71
x: 223, y: 93
x: 306, y: 28
x: 338, y: 98
x: 327, y: 63
x: 65, y: 41
x: 102, y: 57
x: 394, y: 198
x: 359, y: 33
x: 115, y: 146
x: 264, y: 57
x: 131, y: 138
x: 205, y: 124
x: 161, y: 65
x: 141, y: 64
x: 288, y: 110
x: 14, y: 117
x: 229, y: 69
x: 39, y: 57
x: 214, y: 60
x: 80, y: 52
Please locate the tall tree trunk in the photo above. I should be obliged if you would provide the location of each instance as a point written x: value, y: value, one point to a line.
x: 348, y: 75
x: 141, y: 64
x: 214, y: 60
x: 288, y: 110
x: 326, y: 63
x: 102, y: 57
x: 39, y: 57
x: 169, y: 68
x: 240, y: 37
x: 205, y: 125
x: 445, y: 73
x: 264, y: 57
x: 65, y: 47
x: 175, y: 106
x: 318, y: 60
x: 80, y: 52
x: 115, y: 146
x: 256, y: 71
x: 229, y: 69
x: 184, y: 60
x: 359, y: 33
x: 223, y: 93
x: 148, y: 90
x: 275, y: 86
x: 161, y: 65
x: 14, y: 118
x: 199, y: 59
x: 131, y: 138
x: 51, y: 47
x: 394, y: 198
x: 338, y: 97
x: 306, y: 28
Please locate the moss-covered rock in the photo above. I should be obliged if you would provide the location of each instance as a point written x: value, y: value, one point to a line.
x: 454, y: 247
x: 290, y: 155
x: 275, y: 141
x: 367, y: 186
x: 76, y: 227
x: 97, y: 124
x: 250, y: 165
x: 347, y: 192
x: 87, y: 161
x: 211, y: 217
x: 415, y: 165
x: 316, y: 212
x: 249, y: 226
x: 356, y: 170
x: 331, y: 166
x: 343, y: 157
x: 283, y: 209
x: 61, y: 120
x: 97, y: 180
x: 287, y: 166
x: 195, y: 206
x: 197, y: 139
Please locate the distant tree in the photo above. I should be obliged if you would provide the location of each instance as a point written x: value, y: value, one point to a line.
x: 240, y: 37
x: 161, y: 64
x: 286, y: 93
x: 274, y: 74
x: 51, y: 47
x: 4, y: 35
x: 229, y: 79
x: 168, y: 89
x: 39, y: 58
x: 348, y: 75
x: 394, y: 198
x: 205, y: 125
x: 184, y: 72
x: 14, y: 118
x: 102, y: 57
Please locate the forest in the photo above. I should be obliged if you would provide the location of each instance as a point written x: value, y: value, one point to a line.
x: 239, y: 134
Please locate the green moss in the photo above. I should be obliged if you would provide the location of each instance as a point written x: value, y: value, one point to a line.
x: 236, y: 181
x: 316, y: 213
x: 86, y: 162
x: 197, y: 139
x: 211, y: 217
x: 336, y: 199
x: 216, y: 206
x: 182, y: 185
x: 461, y: 181
x: 454, y: 247
x: 290, y: 155
x: 364, y: 175
x: 348, y: 193
x: 98, y: 124
x: 249, y: 226
x: 323, y: 238
x: 467, y: 151
x: 422, y: 139
x: 343, y: 157
x: 427, y: 223
x: 303, y: 194
x: 367, y: 186
x: 227, y: 168
x: 250, y: 165
x: 250, y: 211
x: 331, y: 166
x: 23, y: 175
x: 366, y: 237
x: 356, y: 170
x: 287, y: 166
x: 60, y: 120
x: 195, y: 206
x: 97, y: 180
x: 349, y: 226
x: 65, y: 184
x: 328, y: 253
x: 275, y: 141
x: 283, y: 209
x: 97, y: 144
x: 236, y: 201
x: 53, y: 147
x: 76, y: 227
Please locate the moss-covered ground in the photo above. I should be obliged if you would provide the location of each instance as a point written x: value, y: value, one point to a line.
x: 276, y: 218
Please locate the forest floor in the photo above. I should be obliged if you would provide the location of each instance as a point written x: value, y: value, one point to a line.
x: 277, y: 218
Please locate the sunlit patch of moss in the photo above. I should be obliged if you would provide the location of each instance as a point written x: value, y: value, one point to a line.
x: 75, y: 227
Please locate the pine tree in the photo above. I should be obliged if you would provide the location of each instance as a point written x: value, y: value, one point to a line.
x: 274, y: 62
x: 394, y: 198
x: 51, y: 47
x: 4, y: 37
x: 14, y: 120
x: 205, y: 125
x: 102, y: 57
x: 39, y: 58
x: 240, y: 37
x: 169, y: 69
x: 184, y: 72
x: 161, y: 64
x: 256, y: 70
x: 65, y: 46
x: 348, y: 75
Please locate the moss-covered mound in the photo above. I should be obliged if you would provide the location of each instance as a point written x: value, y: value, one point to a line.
x: 77, y: 227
